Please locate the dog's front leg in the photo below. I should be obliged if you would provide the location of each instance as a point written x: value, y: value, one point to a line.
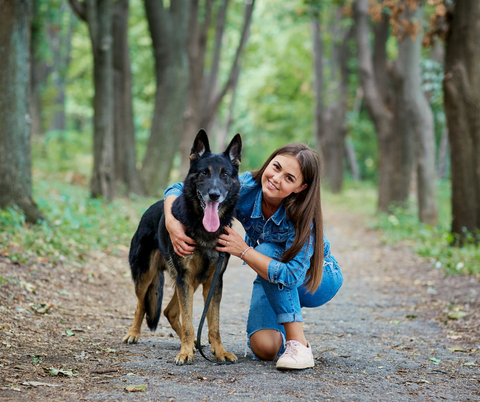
x: 185, y: 300
x: 213, y: 319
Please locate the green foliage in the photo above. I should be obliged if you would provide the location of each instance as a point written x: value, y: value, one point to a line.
x: 275, y: 95
x: 76, y: 224
x: 433, y: 243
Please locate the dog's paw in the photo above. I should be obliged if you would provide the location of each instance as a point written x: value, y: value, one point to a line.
x: 229, y: 357
x: 183, y: 358
x: 131, y: 337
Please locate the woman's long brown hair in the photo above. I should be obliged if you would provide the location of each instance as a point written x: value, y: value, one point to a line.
x: 303, y: 208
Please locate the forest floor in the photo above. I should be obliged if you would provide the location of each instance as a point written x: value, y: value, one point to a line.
x: 399, y: 329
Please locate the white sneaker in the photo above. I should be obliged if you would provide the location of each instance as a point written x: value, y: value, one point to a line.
x: 296, y: 356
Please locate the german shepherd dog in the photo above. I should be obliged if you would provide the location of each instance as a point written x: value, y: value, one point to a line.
x: 206, y: 205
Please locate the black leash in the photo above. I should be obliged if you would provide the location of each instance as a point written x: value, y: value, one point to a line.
x: 213, y: 285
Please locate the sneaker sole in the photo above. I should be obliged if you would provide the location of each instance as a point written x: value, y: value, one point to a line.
x: 286, y: 366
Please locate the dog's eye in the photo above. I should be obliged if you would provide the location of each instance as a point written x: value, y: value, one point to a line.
x: 205, y: 172
x: 224, y: 174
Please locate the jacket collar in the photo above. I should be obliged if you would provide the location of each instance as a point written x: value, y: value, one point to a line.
x: 277, y: 217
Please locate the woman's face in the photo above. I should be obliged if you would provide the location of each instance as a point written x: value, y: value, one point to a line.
x: 281, y: 178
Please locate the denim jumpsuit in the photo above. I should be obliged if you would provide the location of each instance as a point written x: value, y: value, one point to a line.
x: 280, y: 298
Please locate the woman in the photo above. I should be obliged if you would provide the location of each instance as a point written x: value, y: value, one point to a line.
x: 280, y: 209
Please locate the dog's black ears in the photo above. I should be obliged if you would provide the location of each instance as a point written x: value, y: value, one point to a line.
x: 234, y: 150
x: 200, y: 145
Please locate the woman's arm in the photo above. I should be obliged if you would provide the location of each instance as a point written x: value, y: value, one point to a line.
x: 236, y: 246
x: 182, y: 244
x: 287, y: 273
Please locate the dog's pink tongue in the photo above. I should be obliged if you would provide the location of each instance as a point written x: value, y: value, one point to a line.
x: 211, y: 221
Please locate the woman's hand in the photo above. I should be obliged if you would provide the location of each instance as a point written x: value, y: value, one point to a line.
x: 182, y: 244
x: 231, y: 242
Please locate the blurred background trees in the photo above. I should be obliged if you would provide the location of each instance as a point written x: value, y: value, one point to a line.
x: 118, y: 89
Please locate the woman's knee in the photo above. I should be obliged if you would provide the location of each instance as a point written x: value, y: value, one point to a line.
x: 266, y: 343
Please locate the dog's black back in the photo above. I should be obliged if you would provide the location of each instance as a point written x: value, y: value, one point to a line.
x: 206, y: 205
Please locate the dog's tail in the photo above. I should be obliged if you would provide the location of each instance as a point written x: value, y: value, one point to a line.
x: 154, y: 295
x: 153, y: 301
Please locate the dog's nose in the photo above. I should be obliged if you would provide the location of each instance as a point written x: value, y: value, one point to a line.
x: 214, y: 196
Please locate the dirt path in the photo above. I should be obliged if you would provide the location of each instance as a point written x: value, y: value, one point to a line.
x: 385, y: 336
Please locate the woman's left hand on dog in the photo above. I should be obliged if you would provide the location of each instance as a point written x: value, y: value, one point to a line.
x: 231, y: 242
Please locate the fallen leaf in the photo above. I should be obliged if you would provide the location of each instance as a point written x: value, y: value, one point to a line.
x: 435, y: 360
x: 69, y: 333
x: 136, y: 388
x: 454, y: 349
x: 456, y: 315
x: 38, y: 384
x: 56, y: 372
x: 469, y: 364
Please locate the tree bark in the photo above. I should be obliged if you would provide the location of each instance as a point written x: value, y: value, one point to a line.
x: 168, y: 28
x: 462, y: 108
x: 15, y: 160
x: 330, y: 129
x: 98, y: 15
x: 125, y: 159
x: 60, y: 42
x: 197, y: 47
x: 379, y: 113
x: 421, y: 118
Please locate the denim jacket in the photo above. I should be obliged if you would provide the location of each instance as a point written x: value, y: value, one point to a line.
x: 277, y: 229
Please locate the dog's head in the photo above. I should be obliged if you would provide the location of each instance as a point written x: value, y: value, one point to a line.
x: 214, y: 178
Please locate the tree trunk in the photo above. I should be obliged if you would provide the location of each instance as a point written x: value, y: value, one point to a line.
x: 98, y: 15
x: 15, y: 160
x: 462, y: 108
x: 125, y: 158
x: 374, y: 101
x: 330, y: 130
x: 197, y: 47
x: 402, y: 138
x: 38, y: 73
x: 443, y: 156
x: 421, y: 118
x: 168, y: 29
x: 60, y: 42
x: 318, y: 88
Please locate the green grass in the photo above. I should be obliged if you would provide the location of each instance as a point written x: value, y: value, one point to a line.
x: 76, y: 224
x: 402, y: 225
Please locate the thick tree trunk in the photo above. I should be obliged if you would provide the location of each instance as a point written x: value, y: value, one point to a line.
x: 330, y: 130
x: 100, y: 27
x: 168, y: 29
x: 380, y: 115
x: 15, y: 161
x: 197, y: 47
x: 98, y: 15
x: 462, y: 108
x: 402, y: 138
x: 125, y: 158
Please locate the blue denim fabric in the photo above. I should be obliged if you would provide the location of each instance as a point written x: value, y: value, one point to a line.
x: 274, y: 304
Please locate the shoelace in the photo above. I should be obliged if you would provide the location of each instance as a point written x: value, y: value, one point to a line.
x: 291, y: 349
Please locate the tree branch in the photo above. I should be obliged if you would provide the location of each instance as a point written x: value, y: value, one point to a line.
x: 213, y: 106
x: 219, y: 30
